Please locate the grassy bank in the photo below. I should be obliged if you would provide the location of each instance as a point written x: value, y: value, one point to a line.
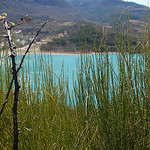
x: 104, y: 111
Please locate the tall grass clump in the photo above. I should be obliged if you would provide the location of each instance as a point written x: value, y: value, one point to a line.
x: 107, y: 109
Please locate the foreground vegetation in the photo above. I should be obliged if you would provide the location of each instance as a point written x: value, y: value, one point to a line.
x: 107, y: 109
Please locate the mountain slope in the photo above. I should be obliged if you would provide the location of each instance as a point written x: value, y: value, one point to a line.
x: 104, y: 10
x: 100, y: 11
x: 40, y: 9
x: 58, y: 3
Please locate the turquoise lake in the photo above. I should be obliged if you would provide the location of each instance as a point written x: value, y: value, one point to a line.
x: 69, y: 62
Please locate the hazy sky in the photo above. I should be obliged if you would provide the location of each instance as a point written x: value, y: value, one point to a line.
x: 143, y: 2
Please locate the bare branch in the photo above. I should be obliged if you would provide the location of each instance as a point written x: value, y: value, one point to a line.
x: 20, y: 66
x: 8, y: 26
x: 6, y: 99
x: 22, y: 22
x: 22, y: 60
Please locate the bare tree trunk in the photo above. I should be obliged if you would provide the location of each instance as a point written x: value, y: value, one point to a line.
x: 14, y: 109
x: 15, y: 71
x: 16, y: 92
x: 15, y: 121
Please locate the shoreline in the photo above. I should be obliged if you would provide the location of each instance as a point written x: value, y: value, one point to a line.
x: 35, y: 49
x: 55, y: 53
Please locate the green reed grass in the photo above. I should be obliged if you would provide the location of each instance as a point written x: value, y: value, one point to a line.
x: 106, y: 110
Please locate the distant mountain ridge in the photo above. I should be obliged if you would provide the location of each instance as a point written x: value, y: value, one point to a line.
x: 39, y: 9
x: 58, y: 3
x: 100, y: 11
x: 69, y: 19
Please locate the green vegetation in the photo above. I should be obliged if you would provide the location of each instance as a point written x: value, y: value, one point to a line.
x: 104, y: 111
x: 83, y: 34
x: 60, y: 41
x: 88, y: 36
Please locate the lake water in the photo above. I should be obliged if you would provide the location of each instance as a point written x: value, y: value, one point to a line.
x: 69, y: 62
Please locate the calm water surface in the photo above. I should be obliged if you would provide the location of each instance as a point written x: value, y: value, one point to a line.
x: 70, y: 64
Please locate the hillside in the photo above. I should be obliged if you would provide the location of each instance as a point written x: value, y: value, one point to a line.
x: 104, y: 11
x: 40, y: 9
x: 99, y: 11
x: 58, y: 3
x: 69, y: 17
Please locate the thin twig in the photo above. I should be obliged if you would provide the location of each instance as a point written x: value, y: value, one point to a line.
x: 22, y: 60
x: 22, y: 22
x: 6, y: 99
